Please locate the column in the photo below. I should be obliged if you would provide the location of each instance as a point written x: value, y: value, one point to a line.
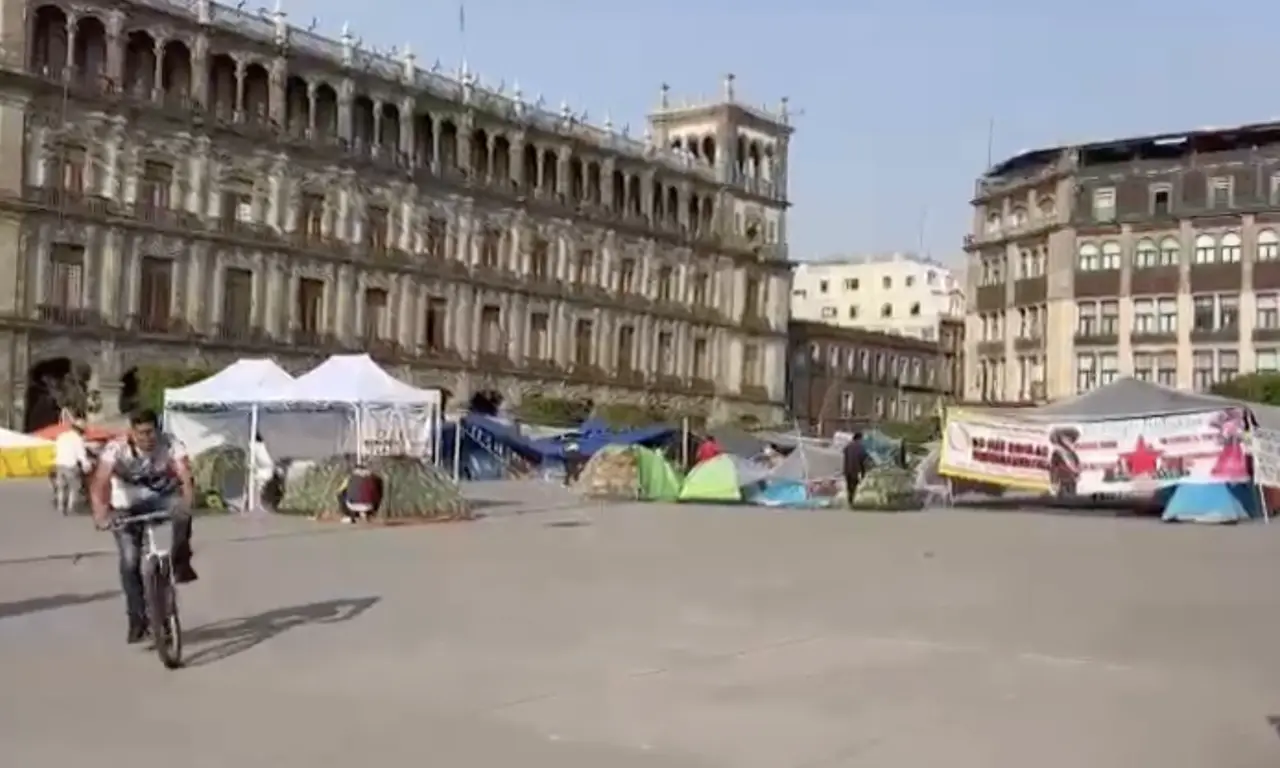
x: 435, y: 146
x: 276, y: 106
x: 407, y: 137
x: 157, y: 77
x: 238, y: 115
x: 200, y: 69
x: 517, y: 161
x: 115, y: 48
x: 70, y: 67
x: 346, y: 92
x: 375, y: 142
x: 562, y: 171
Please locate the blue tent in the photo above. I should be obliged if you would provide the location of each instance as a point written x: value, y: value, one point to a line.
x: 1209, y: 502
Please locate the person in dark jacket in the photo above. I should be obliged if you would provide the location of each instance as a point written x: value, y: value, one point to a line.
x: 361, y: 494
x: 856, y: 463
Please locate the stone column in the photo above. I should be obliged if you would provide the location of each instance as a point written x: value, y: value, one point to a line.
x: 157, y: 81
x: 407, y: 133
x: 115, y: 48
x: 238, y: 115
x: 346, y: 93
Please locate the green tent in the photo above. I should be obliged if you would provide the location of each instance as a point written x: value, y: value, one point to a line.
x: 720, y: 479
x: 629, y: 472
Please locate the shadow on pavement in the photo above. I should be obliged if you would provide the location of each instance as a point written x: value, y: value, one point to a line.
x: 1274, y: 722
x: 228, y: 638
x: 51, y: 603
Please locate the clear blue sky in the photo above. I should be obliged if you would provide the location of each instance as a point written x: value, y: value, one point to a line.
x: 897, y: 96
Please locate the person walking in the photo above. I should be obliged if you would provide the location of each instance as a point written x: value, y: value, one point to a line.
x: 856, y: 462
x: 71, y: 466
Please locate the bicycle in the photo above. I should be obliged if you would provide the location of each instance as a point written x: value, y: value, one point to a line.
x: 159, y: 589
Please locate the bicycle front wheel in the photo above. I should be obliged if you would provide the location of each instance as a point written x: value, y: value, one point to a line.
x: 162, y: 611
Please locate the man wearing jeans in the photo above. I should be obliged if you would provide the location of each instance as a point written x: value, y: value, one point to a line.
x: 145, y: 471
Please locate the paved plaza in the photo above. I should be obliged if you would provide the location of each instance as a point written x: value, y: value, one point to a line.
x: 651, y: 636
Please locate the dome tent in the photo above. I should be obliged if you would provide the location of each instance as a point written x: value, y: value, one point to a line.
x: 629, y: 472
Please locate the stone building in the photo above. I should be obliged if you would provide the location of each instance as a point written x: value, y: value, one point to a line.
x: 201, y: 183
x: 1156, y: 257
x: 842, y: 378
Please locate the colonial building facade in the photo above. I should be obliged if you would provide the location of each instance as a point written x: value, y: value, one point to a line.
x: 843, y: 378
x: 201, y: 183
x: 1156, y: 257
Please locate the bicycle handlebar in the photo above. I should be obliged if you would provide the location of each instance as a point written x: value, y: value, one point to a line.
x: 145, y: 517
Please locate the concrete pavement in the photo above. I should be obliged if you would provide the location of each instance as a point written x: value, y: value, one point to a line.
x: 649, y: 635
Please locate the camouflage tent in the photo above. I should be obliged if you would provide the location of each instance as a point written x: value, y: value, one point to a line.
x: 413, y: 489
x: 888, y: 488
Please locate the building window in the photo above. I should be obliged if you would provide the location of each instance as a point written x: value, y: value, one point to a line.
x: 1144, y: 366
x: 1267, y: 360
x: 1220, y: 191
x: 853, y: 311
x: 1167, y: 310
x: 1104, y: 204
x: 846, y: 404
x: 1202, y: 313
x: 828, y: 313
x: 1202, y: 369
x: 993, y: 223
x: 822, y: 286
x: 1206, y: 250
x: 931, y: 277
x: 1110, y: 325
x: 915, y: 309
x: 1144, y: 316
x: 1167, y: 369
x: 1086, y: 373
x: 1170, y: 252
x: 1111, y: 256
x: 1228, y: 365
x: 1089, y: 258
x: 851, y: 284
x: 1146, y: 255
x: 1018, y: 217
x: 1228, y: 312
x: 1087, y: 318
x: 1268, y: 311
x: 1268, y: 245
x: 886, y: 310
x: 1229, y: 250
x: 911, y: 280
x: 1109, y: 364
x: 1161, y: 196
x: 887, y: 282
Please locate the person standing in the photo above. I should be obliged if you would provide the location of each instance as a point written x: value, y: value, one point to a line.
x: 856, y: 461
x: 263, y: 471
x: 70, y: 467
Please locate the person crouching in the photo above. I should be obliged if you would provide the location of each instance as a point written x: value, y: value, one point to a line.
x: 361, y: 494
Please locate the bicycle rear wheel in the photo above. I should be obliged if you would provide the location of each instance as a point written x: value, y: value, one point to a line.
x: 162, y: 612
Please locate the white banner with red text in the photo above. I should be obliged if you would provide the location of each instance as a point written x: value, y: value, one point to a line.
x: 1128, y: 456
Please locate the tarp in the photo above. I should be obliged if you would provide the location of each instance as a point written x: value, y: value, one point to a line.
x: 737, y: 441
x: 24, y: 455
x: 594, y: 435
x: 1211, y: 503
x: 721, y: 478
x: 809, y: 462
x: 244, y: 382
x: 351, y: 380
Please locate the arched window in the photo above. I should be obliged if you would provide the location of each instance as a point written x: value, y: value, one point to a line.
x: 1170, y: 252
x: 1111, y: 255
x: 1206, y: 250
x: 886, y: 310
x: 1229, y: 249
x: 993, y: 223
x: 1018, y: 217
x: 1146, y: 254
x: 1089, y: 258
x: 1268, y: 245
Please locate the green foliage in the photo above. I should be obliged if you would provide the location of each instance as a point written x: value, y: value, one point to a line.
x: 627, y: 416
x: 553, y: 411
x: 1251, y: 387
x: 914, y: 432
x: 153, y: 380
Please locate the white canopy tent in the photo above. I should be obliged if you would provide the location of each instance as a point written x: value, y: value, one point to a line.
x: 351, y: 402
x: 224, y: 408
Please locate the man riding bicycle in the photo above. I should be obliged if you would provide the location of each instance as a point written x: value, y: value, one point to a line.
x: 144, y: 471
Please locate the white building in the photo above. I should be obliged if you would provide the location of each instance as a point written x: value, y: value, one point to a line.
x: 893, y: 293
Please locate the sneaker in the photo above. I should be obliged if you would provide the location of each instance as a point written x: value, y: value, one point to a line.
x: 137, y: 631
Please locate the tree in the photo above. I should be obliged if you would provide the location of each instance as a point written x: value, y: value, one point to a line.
x: 1251, y: 387
x: 153, y: 380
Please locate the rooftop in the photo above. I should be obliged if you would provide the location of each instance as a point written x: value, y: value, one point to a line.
x: 896, y: 257
x: 813, y: 331
x: 1147, y: 147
